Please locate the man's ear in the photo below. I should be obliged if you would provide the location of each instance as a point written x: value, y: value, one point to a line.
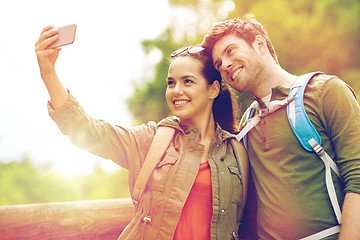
x: 214, y: 89
x: 260, y: 44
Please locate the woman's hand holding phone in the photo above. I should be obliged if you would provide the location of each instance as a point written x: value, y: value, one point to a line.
x: 47, y: 56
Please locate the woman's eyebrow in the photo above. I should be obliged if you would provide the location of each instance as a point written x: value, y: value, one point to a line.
x: 183, y: 77
x: 188, y: 76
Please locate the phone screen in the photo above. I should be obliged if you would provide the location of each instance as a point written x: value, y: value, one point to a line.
x: 66, y: 36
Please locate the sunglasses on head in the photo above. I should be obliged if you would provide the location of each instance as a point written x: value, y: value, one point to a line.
x: 192, y: 50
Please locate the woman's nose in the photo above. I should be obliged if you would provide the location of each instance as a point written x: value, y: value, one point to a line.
x: 178, y: 89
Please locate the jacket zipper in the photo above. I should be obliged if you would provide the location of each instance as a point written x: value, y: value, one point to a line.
x: 217, y: 144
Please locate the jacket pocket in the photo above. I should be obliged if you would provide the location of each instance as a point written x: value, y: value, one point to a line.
x: 162, y: 173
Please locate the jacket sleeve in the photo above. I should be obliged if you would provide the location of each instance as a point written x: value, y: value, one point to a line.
x: 126, y: 146
x: 341, y: 113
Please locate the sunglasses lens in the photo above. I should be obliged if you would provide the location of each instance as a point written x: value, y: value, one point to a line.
x: 177, y: 52
x: 195, y: 49
x: 190, y: 50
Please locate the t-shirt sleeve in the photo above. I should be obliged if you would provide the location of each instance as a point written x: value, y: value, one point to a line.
x: 341, y: 112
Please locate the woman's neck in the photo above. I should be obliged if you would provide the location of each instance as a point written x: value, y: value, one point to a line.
x: 207, y: 134
x: 207, y: 131
x: 206, y: 127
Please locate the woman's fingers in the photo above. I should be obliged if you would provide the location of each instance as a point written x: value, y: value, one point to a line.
x: 47, y: 56
x: 44, y: 44
x: 47, y: 37
x: 44, y: 54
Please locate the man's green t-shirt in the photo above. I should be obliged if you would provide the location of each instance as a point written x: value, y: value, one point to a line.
x: 292, y: 198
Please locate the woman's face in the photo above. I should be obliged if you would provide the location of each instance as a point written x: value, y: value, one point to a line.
x: 188, y: 94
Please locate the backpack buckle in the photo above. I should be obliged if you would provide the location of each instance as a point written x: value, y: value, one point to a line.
x: 263, y: 112
x: 147, y: 220
x: 135, y: 202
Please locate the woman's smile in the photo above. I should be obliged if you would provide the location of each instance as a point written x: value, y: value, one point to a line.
x: 180, y: 103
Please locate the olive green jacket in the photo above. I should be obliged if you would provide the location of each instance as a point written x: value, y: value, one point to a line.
x: 167, y: 190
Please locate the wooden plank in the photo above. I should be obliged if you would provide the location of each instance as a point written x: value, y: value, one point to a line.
x: 97, y: 219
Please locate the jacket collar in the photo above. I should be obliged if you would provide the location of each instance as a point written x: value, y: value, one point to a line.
x: 174, y: 122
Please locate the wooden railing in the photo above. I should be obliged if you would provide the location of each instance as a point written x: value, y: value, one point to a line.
x: 99, y: 219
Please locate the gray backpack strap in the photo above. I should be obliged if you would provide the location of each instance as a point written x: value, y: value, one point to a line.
x: 323, y: 234
x: 252, y: 121
x: 159, y: 145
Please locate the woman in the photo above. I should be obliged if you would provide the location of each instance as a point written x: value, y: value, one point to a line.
x: 195, y: 192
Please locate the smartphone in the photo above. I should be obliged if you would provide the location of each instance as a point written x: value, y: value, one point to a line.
x: 66, y: 36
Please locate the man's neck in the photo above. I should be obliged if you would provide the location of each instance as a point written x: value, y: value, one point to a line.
x: 273, y: 78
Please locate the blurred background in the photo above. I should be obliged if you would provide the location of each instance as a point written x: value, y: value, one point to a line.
x: 117, y: 69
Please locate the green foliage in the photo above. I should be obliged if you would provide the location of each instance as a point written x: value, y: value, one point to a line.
x: 312, y: 35
x: 307, y: 35
x: 149, y: 103
x: 22, y: 183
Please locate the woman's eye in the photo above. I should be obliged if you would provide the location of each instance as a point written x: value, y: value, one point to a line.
x: 188, y: 81
x: 170, y: 83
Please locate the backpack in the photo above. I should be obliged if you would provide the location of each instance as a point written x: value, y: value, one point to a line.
x: 307, y: 136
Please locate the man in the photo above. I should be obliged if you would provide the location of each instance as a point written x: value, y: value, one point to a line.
x: 292, y: 198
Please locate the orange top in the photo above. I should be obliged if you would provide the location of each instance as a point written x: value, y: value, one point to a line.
x: 195, y: 219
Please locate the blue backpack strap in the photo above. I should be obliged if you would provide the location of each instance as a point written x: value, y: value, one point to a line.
x: 251, y: 114
x: 299, y: 121
x: 311, y: 141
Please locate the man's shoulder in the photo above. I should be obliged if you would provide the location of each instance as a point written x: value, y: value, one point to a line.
x: 324, y: 83
x: 319, y: 81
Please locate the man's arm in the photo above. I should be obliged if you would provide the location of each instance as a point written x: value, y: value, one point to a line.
x: 350, y: 227
x: 342, y: 116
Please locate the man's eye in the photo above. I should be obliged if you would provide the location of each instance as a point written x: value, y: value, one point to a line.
x: 170, y: 83
x: 217, y: 66
x: 188, y: 81
x: 229, y: 51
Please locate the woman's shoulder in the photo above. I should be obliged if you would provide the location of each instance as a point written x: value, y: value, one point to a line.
x: 172, y: 122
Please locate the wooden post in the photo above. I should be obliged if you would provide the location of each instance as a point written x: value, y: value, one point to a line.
x: 98, y: 219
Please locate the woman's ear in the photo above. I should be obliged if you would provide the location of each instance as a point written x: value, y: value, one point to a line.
x: 214, y: 89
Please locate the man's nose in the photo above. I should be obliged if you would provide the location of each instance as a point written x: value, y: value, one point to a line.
x: 226, y: 64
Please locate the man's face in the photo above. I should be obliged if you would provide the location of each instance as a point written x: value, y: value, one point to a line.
x: 237, y: 62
